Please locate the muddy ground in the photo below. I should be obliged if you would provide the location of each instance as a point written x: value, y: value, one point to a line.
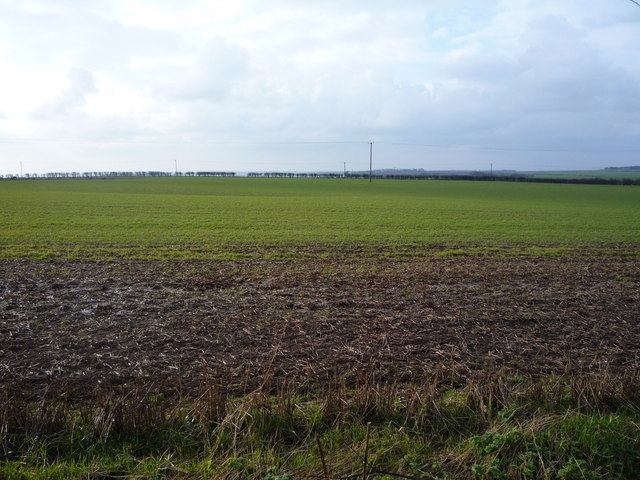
x: 83, y: 324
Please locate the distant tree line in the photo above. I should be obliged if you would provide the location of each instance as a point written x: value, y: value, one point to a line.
x: 530, y: 179
x: 294, y: 175
x: 623, y: 169
x: 121, y: 174
x: 210, y: 174
x: 473, y: 176
x: 360, y: 175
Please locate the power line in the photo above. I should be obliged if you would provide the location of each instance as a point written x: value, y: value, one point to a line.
x: 634, y: 1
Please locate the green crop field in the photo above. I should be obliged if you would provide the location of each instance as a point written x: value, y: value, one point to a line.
x: 173, y: 215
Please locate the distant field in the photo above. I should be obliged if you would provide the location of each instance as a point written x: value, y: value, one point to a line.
x: 163, y: 216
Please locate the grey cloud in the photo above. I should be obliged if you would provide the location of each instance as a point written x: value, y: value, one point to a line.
x: 106, y: 129
x: 556, y: 86
x: 484, y: 69
x: 217, y: 70
x: 71, y: 99
x: 566, y: 73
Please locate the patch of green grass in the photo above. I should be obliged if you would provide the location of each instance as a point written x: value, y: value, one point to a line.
x: 191, y: 217
x: 574, y: 446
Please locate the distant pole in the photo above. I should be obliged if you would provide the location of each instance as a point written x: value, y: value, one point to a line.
x: 345, y: 169
x: 370, y: 161
x: 176, y: 162
x: 21, y: 169
x: 491, y: 170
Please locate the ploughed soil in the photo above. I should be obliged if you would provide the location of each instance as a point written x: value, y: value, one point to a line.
x: 84, y: 324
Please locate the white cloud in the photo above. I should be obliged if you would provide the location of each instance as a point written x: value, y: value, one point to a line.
x: 71, y: 100
x: 520, y: 73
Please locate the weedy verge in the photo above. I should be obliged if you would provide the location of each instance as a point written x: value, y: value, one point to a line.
x: 489, y: 426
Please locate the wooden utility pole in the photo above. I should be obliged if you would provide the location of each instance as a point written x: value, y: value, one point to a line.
x: 370, y: 162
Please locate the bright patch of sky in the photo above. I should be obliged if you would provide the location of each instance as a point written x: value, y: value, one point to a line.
x: 90, y: 85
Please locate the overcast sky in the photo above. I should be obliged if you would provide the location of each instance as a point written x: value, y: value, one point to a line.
x: 89, y: 85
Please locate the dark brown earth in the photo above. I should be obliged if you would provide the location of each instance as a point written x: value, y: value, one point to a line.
x: 240, y: 323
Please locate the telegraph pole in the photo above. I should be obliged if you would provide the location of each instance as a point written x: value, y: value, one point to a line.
x: 176, y: 163
x: 345, y: 169
x: 492, y: 170
x: 370, y: 162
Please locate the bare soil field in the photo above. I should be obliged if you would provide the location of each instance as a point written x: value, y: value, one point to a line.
x: 82, y: 325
